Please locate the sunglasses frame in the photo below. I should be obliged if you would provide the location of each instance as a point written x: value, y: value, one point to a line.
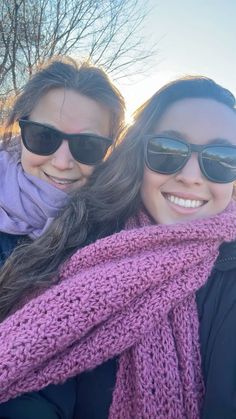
x: 61, y: 137
x: 191, y: 148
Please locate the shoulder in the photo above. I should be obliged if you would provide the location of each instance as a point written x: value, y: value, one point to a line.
x: 216, y: 302
x: 219, y: 292
x: 227, y: 257
x: 53, y: 402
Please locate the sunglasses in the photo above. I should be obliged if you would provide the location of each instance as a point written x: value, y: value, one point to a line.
x: 40, y: 139
x: 168, y: 155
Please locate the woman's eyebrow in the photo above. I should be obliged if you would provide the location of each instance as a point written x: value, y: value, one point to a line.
x: 45, y: 124
x: 183, y: 136
x: 221, y: 141
x: 173, y: 134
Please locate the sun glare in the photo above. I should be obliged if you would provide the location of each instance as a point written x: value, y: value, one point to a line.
x: 136, y: 93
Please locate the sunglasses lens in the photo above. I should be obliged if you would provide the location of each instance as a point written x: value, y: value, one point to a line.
x: 166, y: 155
x: 219, y: 163
x: 89, y: 149
x: 39, y: 140
x: 42, y: 140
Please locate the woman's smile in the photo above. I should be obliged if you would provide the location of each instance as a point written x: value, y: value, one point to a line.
x: 61, y: 182
x: 179, y: 202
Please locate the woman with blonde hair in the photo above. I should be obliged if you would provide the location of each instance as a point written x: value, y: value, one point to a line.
x: 69, y: 115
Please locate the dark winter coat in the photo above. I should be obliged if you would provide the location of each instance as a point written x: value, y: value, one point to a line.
x: 53, y: 402
x: 89, y: 395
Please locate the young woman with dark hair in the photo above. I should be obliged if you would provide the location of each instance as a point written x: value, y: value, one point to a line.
x: 150, y: 235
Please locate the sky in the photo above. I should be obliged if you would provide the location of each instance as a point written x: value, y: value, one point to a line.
x: 193, y: 37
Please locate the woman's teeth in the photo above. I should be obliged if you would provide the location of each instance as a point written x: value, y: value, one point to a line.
x: 186, y: 203
x: 62, y: 181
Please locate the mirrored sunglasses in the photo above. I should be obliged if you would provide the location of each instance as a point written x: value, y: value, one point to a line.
x: 168, y: 155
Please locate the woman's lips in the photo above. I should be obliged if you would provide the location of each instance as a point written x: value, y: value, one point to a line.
x: 60, y: 183
x: 184, y: 205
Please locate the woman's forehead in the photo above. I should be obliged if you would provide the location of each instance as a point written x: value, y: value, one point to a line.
x: 199, y: 120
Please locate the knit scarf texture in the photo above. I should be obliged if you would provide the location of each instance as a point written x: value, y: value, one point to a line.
x: 27, y: 203
x: 130, y: 295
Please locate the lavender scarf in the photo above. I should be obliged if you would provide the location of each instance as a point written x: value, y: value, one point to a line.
x: 131, y: 294
x: 27, y: 204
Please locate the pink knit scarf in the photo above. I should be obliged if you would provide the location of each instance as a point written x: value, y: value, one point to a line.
x: 133, y: 295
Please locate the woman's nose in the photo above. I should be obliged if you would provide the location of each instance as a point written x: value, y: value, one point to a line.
x: 191, y: 172
x: 62, y: 159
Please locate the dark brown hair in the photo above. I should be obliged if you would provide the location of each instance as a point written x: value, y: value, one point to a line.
x: 101, y: 207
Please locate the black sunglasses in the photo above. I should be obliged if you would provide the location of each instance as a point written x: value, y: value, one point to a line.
x: 43, y: 140
x: 168, y: 155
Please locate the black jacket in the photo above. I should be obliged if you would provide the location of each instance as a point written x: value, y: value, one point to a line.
x: 89, y: 395
x: 7, y: 244
x: 53, y: 402
x: 217, y: 313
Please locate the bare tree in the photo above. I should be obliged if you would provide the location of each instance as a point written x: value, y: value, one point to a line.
x: 108, y: 32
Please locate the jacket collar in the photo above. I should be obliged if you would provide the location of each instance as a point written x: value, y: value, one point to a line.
x: 227, y: 257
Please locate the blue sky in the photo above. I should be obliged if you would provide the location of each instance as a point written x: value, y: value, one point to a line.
x: 194, y: 37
